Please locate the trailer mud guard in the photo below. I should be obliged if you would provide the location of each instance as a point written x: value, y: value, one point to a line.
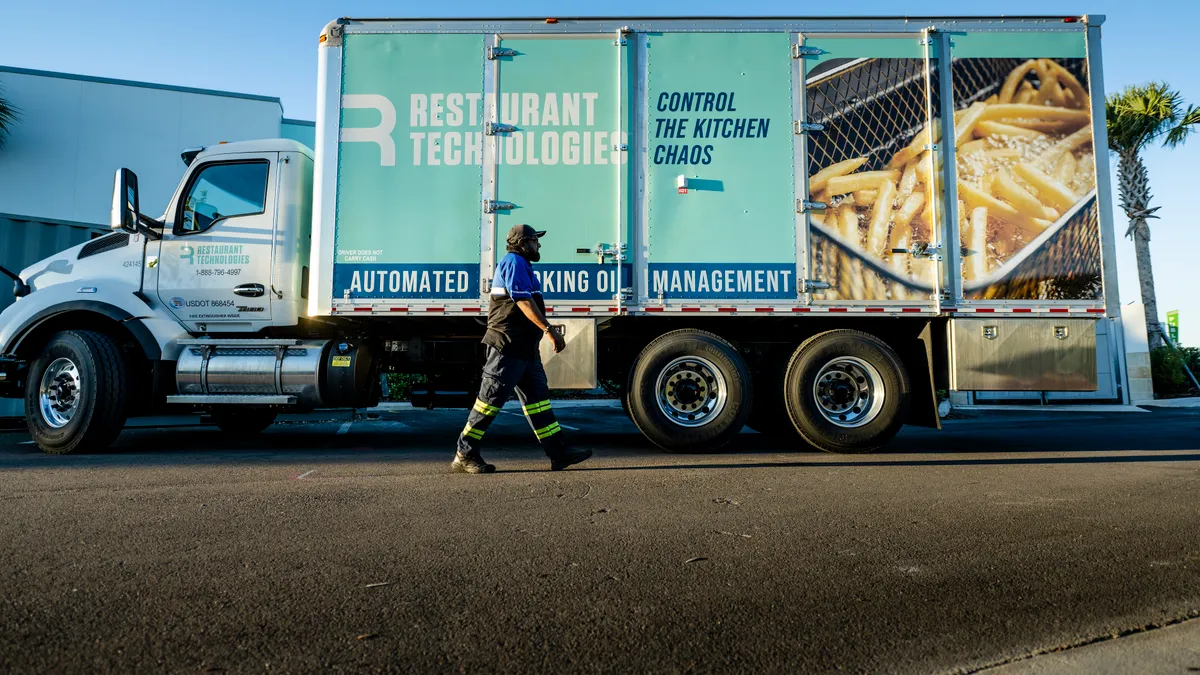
x: 918, y: 358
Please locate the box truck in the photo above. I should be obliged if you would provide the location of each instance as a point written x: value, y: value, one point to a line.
x: 804, y: 226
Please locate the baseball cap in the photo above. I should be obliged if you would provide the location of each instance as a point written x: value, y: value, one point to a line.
x: 520, y: 232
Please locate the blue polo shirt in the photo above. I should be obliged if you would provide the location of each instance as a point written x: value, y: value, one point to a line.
x: 508, y: 328
x: 515, y: 278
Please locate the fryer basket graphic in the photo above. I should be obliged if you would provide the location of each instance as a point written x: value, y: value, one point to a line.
x: 874, y: 108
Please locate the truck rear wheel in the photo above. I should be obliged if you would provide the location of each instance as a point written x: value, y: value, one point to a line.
x: 689, y: 391
x: 846, y: 391
x: 75, y: 399
x: 243, y: 420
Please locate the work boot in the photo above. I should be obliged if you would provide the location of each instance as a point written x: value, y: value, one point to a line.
x: 565, y: 457
x: 471, y: 463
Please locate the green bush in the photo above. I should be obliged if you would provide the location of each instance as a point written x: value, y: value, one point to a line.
x: 1166, y: 366
x: 400, y: 385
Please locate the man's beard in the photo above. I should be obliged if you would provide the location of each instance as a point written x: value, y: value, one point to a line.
x: 531, y: 256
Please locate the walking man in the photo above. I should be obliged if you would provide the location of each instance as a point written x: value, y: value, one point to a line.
x: 516, y: 324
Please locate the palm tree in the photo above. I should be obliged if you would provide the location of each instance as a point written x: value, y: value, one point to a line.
x: 1138, y: 117
x: 8, y: 117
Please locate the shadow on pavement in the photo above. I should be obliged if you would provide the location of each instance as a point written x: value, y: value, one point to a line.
x: 424, y: 436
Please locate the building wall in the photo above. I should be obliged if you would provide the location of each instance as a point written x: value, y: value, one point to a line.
x: 74, y: 132
x: 299, y: 130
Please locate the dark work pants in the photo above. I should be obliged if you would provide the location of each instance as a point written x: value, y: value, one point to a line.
x: 501, y: 374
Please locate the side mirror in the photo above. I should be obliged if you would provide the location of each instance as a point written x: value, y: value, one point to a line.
x: 125, y: 205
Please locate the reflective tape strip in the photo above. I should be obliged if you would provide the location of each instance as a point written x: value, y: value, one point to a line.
x: 471, y: 432
x: 535, y: 408
x: 547, y: 431
x: 485, y: 409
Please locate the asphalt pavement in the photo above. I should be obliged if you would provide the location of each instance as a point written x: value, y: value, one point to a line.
x: 348, y: 545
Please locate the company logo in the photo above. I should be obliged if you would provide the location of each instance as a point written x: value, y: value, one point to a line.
x: 177, y: 302
x: 215, y: 254
x: 380, y: 134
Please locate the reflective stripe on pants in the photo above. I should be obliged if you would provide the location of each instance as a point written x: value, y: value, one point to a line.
x: 501, y: 375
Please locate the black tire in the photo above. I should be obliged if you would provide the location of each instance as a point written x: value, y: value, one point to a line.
x: 83, y: 418
x: 875, y: 429
x: 243, y: 420
x: 710, y: 352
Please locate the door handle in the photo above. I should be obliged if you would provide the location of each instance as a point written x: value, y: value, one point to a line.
x: 250, y: 290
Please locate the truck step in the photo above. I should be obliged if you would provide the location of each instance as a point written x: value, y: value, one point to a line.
x: 241, y: 399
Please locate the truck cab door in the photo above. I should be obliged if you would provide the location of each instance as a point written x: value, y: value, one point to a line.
x: 214, y: 265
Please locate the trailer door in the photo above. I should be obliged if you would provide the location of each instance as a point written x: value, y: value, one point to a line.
x: 875, y: 208
x: 1027, y: 171
x: 409, y: 173
x: 721, y: 222
x: 559, y: 161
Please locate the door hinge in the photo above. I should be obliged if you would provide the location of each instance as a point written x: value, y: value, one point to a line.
x: 494, y: 53
x: 492, y: 206
x: 811, y: 285
x: 624, y: 294
x: 493, y: 128
x: 805, y: 127
x: 485, y: 285
x: 800, y: 51
x: 804, y: 206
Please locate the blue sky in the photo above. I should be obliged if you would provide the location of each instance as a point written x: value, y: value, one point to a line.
x: 270, y: 48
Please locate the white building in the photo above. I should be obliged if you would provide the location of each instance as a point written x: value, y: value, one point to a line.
x: 74, y: 131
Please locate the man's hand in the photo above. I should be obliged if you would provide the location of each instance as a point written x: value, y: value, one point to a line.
x: 552, y: 335
x: 534, y: 314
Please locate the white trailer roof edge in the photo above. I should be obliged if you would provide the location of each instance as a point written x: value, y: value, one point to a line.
x: 703, y: 24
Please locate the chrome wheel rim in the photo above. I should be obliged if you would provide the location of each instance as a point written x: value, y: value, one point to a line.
x: 58, y: 394
x: 849, y: 392
x: 691, y: 391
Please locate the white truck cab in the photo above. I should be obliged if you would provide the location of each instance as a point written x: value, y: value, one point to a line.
x: 229, y: 257
x: 235, y: 239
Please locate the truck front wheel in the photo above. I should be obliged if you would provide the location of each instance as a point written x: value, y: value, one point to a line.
x: 689, y: 391
x: 75, y: 398
x: 846, y: 391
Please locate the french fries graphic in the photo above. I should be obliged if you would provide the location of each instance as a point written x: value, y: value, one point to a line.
x: 1024, y: 158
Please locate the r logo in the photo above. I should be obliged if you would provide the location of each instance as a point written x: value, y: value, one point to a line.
x: 186, y: 252
x: 381, y: 134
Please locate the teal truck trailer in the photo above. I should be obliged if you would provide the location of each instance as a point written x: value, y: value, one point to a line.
x: 807, y: 226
